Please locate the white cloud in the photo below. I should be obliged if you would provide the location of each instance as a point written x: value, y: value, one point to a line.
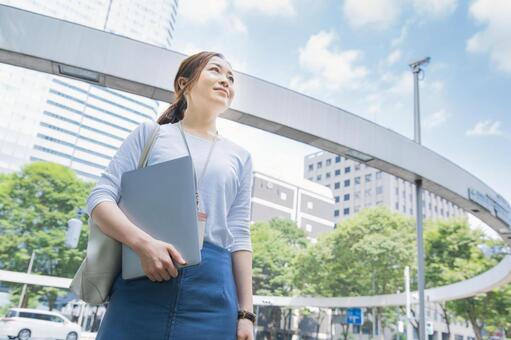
x: 267, y: 7
x: 485, y: 128
x: 237, y: 24
x: 435, y: 8
x: 330, y: 68
x: 401, y: 84
x: 394, y: 57
x: 435, y: 119
x: 495, y: 38
x: 402, y: 36
x: 376, y: 13
x: 202, y: 11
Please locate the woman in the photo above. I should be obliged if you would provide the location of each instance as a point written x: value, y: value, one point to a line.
x: 196, y: 302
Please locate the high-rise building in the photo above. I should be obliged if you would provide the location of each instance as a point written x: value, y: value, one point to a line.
x: 74, y: 123
x: 308, y: 204
x: 356, y: 186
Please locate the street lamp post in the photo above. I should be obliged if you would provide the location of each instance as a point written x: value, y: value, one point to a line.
x: 416, y: 69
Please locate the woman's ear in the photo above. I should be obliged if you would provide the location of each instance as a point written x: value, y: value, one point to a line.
x: 182, y: 82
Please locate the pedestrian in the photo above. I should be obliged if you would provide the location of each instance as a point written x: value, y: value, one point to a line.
x: 75, y: 313
x: 212, y: 300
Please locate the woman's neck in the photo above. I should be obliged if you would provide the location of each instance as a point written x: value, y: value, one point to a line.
x: 196, y: 123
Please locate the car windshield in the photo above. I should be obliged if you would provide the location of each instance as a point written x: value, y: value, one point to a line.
x: 11, y: 313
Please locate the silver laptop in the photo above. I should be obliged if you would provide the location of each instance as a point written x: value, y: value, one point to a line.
x: 160, y: 199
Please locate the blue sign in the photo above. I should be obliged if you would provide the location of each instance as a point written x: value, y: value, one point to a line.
x: 355, y: 316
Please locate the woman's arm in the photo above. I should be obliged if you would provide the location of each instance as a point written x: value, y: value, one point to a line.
x: 238, y: 221
x: 242, y: 267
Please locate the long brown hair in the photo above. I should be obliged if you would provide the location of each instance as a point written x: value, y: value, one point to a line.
x: 190, y: 68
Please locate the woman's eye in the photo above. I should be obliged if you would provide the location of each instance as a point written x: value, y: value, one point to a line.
x: 218, y: 70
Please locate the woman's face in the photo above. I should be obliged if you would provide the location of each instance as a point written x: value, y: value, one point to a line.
x: 215, y: 87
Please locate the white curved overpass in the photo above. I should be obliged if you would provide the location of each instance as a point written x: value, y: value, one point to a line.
x: 49, y: 45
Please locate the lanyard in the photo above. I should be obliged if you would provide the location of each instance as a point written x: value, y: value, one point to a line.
x: 193, y: 167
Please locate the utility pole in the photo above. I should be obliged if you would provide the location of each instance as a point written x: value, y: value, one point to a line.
x: 24, y: 289
x: 409, y: 330
x: 416, y: 69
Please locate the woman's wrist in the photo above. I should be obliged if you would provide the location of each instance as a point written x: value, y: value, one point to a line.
x: 139, y: 241
x: 248, y: 315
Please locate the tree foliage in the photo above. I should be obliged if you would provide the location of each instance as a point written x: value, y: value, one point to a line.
x: 35, y: 206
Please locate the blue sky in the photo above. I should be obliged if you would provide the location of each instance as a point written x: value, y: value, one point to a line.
x: 354, y: 54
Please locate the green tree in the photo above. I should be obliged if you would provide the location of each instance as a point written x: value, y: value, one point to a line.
x: 453, y: 254
x: 35, y: 205
x: 364, y: 255
x: 275, y: 246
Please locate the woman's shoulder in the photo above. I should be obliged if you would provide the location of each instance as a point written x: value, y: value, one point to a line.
x: 241, y: 151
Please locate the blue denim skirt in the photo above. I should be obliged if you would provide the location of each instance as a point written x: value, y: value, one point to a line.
x: 200, y: 303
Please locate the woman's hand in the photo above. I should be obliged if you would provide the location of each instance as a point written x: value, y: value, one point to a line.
x: 245, y: 330
x: 157, y: 258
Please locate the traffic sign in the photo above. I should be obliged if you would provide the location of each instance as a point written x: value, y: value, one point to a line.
x: 355, y: 316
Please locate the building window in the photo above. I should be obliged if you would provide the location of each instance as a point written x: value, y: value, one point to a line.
x: 346, y: 211
x: 346, y: 197
x: 411, y: 211
x: 346, y: 183
x: 327, y: 185
x: 379, y: 202
x: 356, y: 209
x: 357, y: 167
x: 327, y: 175
x: 336, y: 213
x: 347, y: 170
x: 397, y: 205
x: 311, y: 167
x: 357, y: 180
x: 357, y: 195
x: 337, y: 172
x: 336, y: 199
x: 311, y: 178
x: 328, y: 162
x: 309, y: 205
x: 397, y: 191
x: 368, y: 178
x: 379, y: 190
x: 337, y: 159
x: 318, y: 178
x: 378, y: 175
x: 319, y: 165
x: 337, y: 185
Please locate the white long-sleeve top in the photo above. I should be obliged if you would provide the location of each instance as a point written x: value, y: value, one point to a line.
x: 225, y: 190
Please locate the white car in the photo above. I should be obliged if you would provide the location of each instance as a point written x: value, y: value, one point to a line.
x: 24, y: 323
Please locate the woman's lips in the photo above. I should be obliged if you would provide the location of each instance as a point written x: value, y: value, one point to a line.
x: 223, y: 91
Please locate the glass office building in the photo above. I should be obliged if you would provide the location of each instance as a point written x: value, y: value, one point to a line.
x: 74, y: 123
